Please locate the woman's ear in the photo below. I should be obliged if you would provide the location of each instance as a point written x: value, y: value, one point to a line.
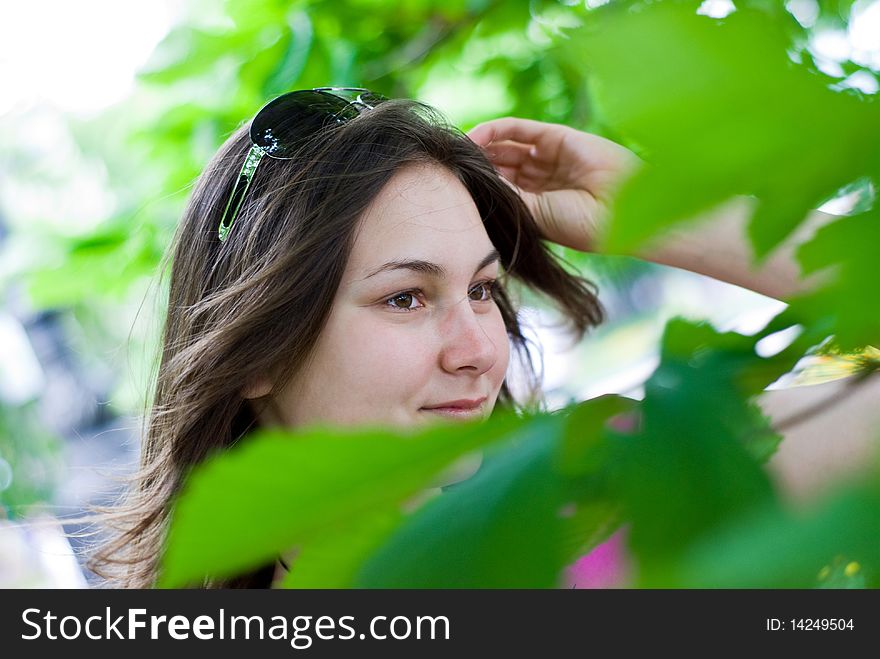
x: 257, y: 388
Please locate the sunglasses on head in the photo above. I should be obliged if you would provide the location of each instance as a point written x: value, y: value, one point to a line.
x: 285, y: 123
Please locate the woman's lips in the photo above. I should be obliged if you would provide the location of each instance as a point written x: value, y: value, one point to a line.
x: 462, y: 408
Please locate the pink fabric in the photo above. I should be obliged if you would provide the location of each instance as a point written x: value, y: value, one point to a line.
x: 607, y: 566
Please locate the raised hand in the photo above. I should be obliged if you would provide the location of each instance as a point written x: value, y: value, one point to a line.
x: 566, y: 177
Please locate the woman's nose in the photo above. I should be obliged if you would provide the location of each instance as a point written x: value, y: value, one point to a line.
x: 467, y: 346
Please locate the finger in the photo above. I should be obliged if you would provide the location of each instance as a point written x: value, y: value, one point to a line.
x: 507, y: 173
x: 528, y: 184
x: 526, y: 131
x: 520, y: 156
x: 509, y: 154
x: 529, y: 172
x: 515, y: 178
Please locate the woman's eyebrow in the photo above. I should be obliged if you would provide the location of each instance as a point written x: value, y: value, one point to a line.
x: 427, y: 267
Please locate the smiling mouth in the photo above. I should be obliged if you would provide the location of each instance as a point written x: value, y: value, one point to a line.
x: 459, y: 409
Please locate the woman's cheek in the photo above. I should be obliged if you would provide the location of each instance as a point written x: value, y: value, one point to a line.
x: 389, y: 357
x: 503, y: 359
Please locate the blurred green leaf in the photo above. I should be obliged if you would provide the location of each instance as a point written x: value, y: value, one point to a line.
x: 720, y: 111
x: 584, y: 450
x: 538, y: 502
x: 96, y: 266
x: 590, y: 523
x: 842, y: 573
x: 31, y: 462
x: 332, y: 560
x: 291, y: 65
x: 689, y: 468
x: 279, y: 489
x: 501, y: 528
x: 775, y: 548
x: 849, y: 246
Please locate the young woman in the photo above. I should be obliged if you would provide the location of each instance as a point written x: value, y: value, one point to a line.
x: 352, y: 271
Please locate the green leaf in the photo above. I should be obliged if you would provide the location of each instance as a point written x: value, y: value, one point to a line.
x: 185, y: 52
x: 589, y: 524
x: 295, y: 57
x: 775, y: 548
x: 591, y: 512
x: 332, y: 560
x: 500, y: 529
x: 583, y: 449
x: 719, y: 109
x: 101, y: 264
x: 690, y: 467
x: 842, y: 573
x: 850, y: 300
x: 278, y: 489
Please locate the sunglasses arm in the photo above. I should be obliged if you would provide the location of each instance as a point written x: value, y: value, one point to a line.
x: 240, y: 190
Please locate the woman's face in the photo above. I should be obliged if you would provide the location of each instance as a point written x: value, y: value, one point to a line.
x: 414, y: 334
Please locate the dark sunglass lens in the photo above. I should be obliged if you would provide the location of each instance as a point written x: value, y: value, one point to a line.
x: 372, y: 98
x: 285, y: 123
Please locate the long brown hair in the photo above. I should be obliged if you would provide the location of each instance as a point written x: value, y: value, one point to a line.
x: 256, y: 303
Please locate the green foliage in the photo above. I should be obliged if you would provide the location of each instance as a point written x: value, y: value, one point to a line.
x: 506, y: 525
x: 717, y: 107
x: 694, y: 463
x: 750, y: 111
x: 334, y: 559
x: 773, y: 548
x: 501, y: 528
x: 102, y: 264
x: 276, y: 491
x: 726, y: 107
x: 725, y: 111
x: 29, y: 461
x: 849, y: 302
x: 685, y: 476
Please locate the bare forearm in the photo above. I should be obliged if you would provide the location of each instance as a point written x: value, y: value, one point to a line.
x: 718, y: 246
x: 831, y: 446
x: 830, y: 429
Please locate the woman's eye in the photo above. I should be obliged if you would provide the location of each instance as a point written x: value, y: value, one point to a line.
x: 481, y: 292
x: 404, y: 302
x: 409, y: 300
